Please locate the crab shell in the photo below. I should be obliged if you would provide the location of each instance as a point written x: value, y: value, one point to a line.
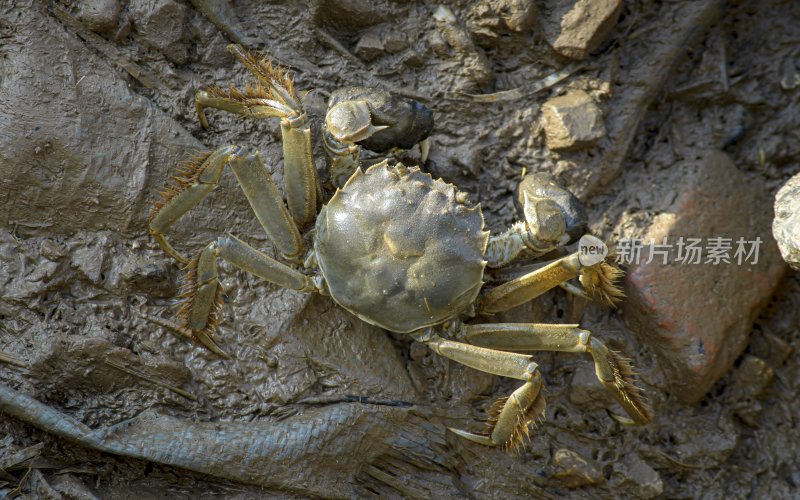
x: 400, y: 250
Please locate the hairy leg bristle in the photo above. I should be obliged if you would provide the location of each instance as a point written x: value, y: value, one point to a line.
x: 263, y: 68
x: 600, y: 283
x: 188, y: 291
x: 249, y: 96
x: 532, y: 417
x: 188, y: 172
x: 625, y: 378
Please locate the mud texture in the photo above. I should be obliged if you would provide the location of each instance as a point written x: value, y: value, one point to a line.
x: 96, y: 109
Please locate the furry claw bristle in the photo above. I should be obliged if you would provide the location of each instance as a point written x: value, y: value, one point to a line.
x: 600, y: 283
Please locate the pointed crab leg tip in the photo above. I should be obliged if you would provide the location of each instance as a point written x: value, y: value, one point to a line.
x: 622, y: 420
x: 424, y: 150
x: 475, y: 438
x: 212, y: 346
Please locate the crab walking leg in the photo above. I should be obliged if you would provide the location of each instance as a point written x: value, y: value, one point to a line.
x: 274, y: 96
x: 300, y: 175
x: 511, y: 417
x: 597, y: 276
x: 612, y: 369
x: 202, y: 297
x: 263, y: 195
x: 202, y: 174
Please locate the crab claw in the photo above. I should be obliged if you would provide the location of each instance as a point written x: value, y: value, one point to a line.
x: 544, y: 186
x: 351, y: 122
x: 545, y: 220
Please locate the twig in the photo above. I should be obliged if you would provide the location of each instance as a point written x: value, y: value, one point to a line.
x: 679, y: 463
x: 150, y: 379
x: 329, y: 41
x: 142, y: 75
x: 335, y: 399
x: 218, y: 14
x: 11, y: 360
x: 519, y: 92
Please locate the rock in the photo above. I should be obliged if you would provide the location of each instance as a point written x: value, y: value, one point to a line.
x: 633, y: 472
x: 90, y: 258
x: 750, y: 380
x: 704, y: 437
x: 163, y: 25
x: 394, y: 41
x: 351, y: 16
x: 698, y: 316
x: 466, y: 69
x: 493, y: 17
x: 771, y: 348
x: 585, y: 391
x: 370, y: 46
x: 572, y: 121
x: 786, y: 226
x: 69, y: 486
x: 575, y: 471
x: 576, y: 28
x: 99, y: 15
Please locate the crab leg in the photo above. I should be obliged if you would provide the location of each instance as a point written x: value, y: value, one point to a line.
x: 202, y: 293
x: 510, y: 418
x: 202, y: 174
x: 596, y: 276
x: 613, y: 370
x: 274, y: 96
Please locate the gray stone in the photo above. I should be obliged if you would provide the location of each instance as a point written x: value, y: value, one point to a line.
x: 163, y: 25
x: 585, y: 391
x: 786, y: 226
x: 370, y: 46
x: 634, y: 472
x: 576, y: 28
x: 394, y: 41
x: 572, y: 121
x: 99, y: 15
x: 698, y: 316
x: 575, y: 471
x: 494, y: 16
x: 750, y: 380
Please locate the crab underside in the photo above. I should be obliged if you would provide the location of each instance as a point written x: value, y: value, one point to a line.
x: 393, y: 246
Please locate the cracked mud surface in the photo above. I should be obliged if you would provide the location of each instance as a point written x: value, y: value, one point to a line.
x: 95, y: 114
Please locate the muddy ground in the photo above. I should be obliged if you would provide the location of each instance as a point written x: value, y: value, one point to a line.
x: 96, y: 101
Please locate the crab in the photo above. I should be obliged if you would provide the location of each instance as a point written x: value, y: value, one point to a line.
x: 395, y: 247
